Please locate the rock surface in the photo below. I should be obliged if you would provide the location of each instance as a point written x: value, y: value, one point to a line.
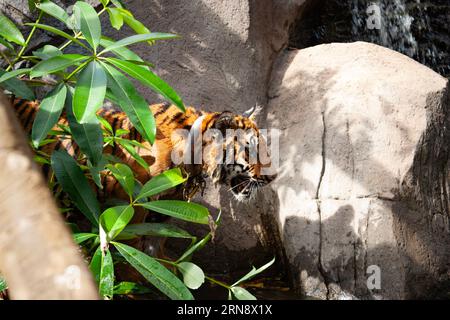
x: 348, y: 191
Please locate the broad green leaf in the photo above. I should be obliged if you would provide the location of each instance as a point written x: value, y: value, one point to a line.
x: 154, y: 230
x: 139, y: 38
x: 17, y: 87
x: 128, y: 146
x: 89, y: 93
x: 115, y: 17
x: 96, y: 264
x: 9, y: 31
x: 73, y: 181
x: 254, y: 272
x: 48, y: 114
x: 46, y: 52
x: 166, y: 180
x: 155, y: 273
x: 242, y: 294
x: 132, y: 103
x: 124, y: 175
x: 89, y: 24
x: 193, y: 276
x: 81, y: 237
x: 54, y: 10
x: 117, y: 3
x: 195, y: 247
x: 130, y: 288
x: 88, y: 136
x: 58, y: 32
x: 149, y: 79
x: 3, y: 285
x: 56, y: 63
x: 106, y: 284
x: 13, y: 74
x: 115, y: 219
x: 123, y: 52
x: 187, y: 211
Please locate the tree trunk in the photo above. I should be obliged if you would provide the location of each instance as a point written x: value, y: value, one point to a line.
x: 38, y: 257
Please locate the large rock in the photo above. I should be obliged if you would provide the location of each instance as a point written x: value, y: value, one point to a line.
x: 364, y: 179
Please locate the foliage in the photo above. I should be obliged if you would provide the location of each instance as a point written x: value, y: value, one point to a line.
x: 81, y: 82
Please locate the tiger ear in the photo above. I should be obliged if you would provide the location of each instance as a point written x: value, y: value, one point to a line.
x: 224, y: 121
x: 253, y: 112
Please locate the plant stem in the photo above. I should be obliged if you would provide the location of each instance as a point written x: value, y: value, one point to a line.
x: 166, y: 261
x: 220, y: 283
x: 81, y: 66
x: 27, y: 42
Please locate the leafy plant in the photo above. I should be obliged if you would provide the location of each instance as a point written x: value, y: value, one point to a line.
x: 80, y: 83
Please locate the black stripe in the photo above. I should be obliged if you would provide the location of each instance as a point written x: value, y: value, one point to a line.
x: 162, y: 109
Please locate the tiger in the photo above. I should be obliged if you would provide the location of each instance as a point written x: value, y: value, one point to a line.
x: 242, y: 177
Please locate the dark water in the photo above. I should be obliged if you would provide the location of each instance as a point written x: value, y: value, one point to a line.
x: 419, y: 29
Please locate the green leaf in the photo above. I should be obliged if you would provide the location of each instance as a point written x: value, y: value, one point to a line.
x: 132, y: 103
x: 81, y: 237
x: 139, y: 38
x: 130, y: 288
x: 105, y: 124
x: 115, y: 17
x: 149, y: 79
x: 3, y: 285
x: 54, y: 10
x: 254, y: 272
x: 89, y: 93
x: 88, y: 136
x: 9, y: 31
x: 48, y: 114
x: 193, y: 276
x: 96, y: 264
x: 128, y: 146
x: 46, y: 52
x: 32, y: 5
x: 186, y: 211
x: 6, y: 44
x: 89, y: 24
x: 242, y: 294
x: 195, y: 247
x: 73, y: 181
x: 154, y: 230
x: 106, y: 285
x: 17, y: 87
x: 58, y: 32
x: 122, y: 52
x: 134, y: 24
x: 13, y: 74
x: 166, y: 180
x: 124, y: 175
x: 56, y: 63
x: 104, y: 2
x: 115, y: 219
x: 155, y: 273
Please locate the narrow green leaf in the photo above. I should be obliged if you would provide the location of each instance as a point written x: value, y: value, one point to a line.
x: 54, y: 10
x: 166, y: 180
x: 115, y: 17
x: 139, y: 38
x: 128, y: 146
x: 9, y: 31
x: 17, y: 87
x: 48, y: 114
x: 88, y: 136
x: 89, y: 24
x: 96, y: 264
x: 106, y: 285
x: 187, y: 211
x: 149, y: 79
x: 104, y: 2
x: 46, y: 52
x: 81, y: 237
x: 155, y: 273
x: 134, y: 24
x: 130, y: 288
x: 89, y: 93
x: 122, y: 52
x: 56, y: 63
x: 3, y: 285
x: 73, y: 181
x: 13, y: 74
x: 115, y: 219
x: 197, y: 246
x: 132, y: 103
x: 242, y: 294
x: 58, y: 32
x: 193, y: 276
x: 124, y: 175
x: 6, y: 44
x: 154, y: 230
x: 254, y: 272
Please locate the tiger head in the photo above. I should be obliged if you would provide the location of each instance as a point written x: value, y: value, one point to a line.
x: 235, y: 153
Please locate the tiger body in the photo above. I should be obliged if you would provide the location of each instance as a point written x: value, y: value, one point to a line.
x: 168, y: 119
